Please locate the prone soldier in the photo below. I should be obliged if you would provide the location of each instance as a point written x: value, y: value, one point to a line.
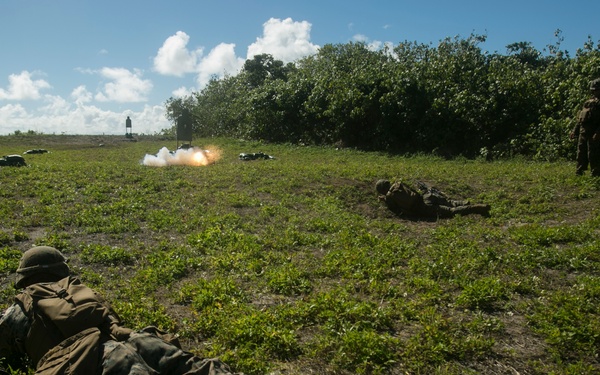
x: 60, y: 326
x: 431, y: 204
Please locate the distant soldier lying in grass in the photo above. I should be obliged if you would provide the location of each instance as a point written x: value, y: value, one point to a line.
x: 430, y: 203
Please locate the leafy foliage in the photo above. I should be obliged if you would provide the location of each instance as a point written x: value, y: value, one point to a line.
x: 451, y: 99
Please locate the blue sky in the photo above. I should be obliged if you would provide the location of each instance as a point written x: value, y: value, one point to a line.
x: 83, y: 66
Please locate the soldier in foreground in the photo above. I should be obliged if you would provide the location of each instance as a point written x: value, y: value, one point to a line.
x: 402, y: 199
x: 59, y: 326
x: 587, y: 133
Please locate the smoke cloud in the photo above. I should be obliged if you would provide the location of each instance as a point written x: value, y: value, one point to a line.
x: 192, y: 156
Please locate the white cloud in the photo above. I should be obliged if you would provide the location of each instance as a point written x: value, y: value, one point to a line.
x: 360, y: 38
x: 285, y: 40
x: 173, y: 58
x: 56, y: 105
x: 60, y: 116
x: 125, y: 86
x: 373, y: 45
x: 11, y: 111
x: 390, y: 47
x: 81, y: 95
x: 23, y: 87
x: 182, y: 92
x: 220, y: 61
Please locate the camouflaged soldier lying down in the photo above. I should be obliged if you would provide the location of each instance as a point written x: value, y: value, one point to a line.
x: 59, y: 326
x: 431, y: 204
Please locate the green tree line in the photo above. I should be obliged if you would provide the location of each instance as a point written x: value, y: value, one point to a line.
x: 451, y: 99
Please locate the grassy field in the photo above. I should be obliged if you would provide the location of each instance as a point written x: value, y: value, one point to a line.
x: 292, y: 265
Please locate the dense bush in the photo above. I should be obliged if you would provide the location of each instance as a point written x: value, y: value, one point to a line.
x: 451, y: 99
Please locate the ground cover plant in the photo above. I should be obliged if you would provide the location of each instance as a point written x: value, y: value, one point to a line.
x: 292, y: 265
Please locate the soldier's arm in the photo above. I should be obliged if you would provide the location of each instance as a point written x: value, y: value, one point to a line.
x: 596, y: 135
x: 575, y: 131
x: 113, y: 323
x: 577, y: 127
x: 13, y: 329
x: 120, y: 332
x: 5, y: 337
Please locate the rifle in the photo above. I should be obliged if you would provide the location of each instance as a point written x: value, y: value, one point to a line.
x: 430, y: 189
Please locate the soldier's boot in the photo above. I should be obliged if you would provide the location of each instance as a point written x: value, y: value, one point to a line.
x: 595, y: 169
x: 480, y: 209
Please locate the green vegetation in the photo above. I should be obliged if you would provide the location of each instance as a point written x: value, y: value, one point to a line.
x: 449, y: 99
x: 292, y: 265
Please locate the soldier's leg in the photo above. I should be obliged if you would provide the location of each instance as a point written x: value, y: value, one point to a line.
x: 436, y: 200
x: 478, y: 209
x: 444, y: 211
x: 594, y: 157
x: 120, y: 359
x: 458, y: 203
x: 167, y: 358
x: 440, y: 200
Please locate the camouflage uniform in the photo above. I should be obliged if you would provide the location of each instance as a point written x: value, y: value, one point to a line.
x: 587, y: 132
x: 27, y: 338
x: 404, y: 200
x: 140, y: 354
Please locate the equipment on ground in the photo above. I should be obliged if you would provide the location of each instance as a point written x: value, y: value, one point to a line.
x: 12, y: 161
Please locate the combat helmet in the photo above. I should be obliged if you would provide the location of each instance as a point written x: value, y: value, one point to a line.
x: 595, y: 84
x: 383, y: 186
x: 41, y: 260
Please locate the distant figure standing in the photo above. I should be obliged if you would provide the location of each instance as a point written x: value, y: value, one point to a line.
x: 401, y: 199
x: 587, y: 132
x: 128, y: 132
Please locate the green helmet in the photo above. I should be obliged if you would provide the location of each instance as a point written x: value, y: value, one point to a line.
x: 382, y: 186
x: 41, y: 259
x: 595, y: 84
